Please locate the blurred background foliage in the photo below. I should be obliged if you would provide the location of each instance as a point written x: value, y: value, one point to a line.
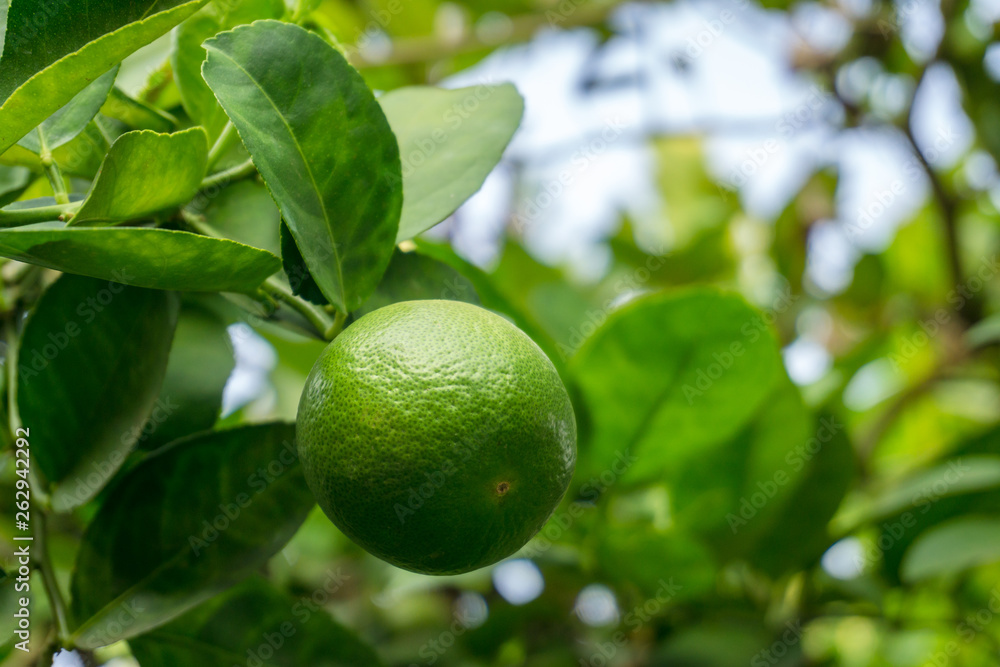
x: 827, y: 493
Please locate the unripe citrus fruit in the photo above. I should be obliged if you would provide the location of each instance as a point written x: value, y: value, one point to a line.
x: 436, y: 435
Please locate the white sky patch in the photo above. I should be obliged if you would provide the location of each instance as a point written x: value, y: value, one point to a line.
x: 845, y: 559
x: 518, y: 581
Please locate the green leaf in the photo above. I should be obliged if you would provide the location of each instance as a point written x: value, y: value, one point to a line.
x: 13, y: 181
x: 323, y: 146
x: 145, y: 173
x: 799, y: 533
x: 188, y: 55
x: 670, y: 565
x: 44, y: 70
x: 188, y: 522
x: 672, y: 377
x: 71, y: 119
x: 81, y: 156
x: 967, y: 474
x: 414, y: 277
x: 952, y: 547
x: 144, y: 257
x: 231, y: 628
x: 294, y: 266
x: 201, y: 361
x: 449, y: 142
x: 245, y: 212
x: 92, y: 358
x: 732, y: 492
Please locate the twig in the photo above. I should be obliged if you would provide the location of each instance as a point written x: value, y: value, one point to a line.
x: 971, y: 310
x: 522, y: 28
x: 27, y: 216
x: 227, y: 176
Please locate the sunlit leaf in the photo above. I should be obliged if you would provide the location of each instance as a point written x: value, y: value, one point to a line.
x: 323, y: 146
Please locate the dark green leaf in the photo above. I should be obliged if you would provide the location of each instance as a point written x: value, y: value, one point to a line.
x: 323, y: 146
x: 188, y: 522
x: 673, y: 377
x: 188, y: 54
x: 798, y: 534
x: 294, y: 265
x: 71, y: 120
x: 43, y: 70
x: 81, y: 156
x: 201, y: 360
x: 449, y: 142
x: 92, y: 359
x: 233, y: 628
x: 145, y: 173
x: 245, y: 212
x: 414, y: 277
x: 155, y: 258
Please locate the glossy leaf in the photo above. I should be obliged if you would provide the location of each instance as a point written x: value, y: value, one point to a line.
x: 188, y: 522
x: 201, y: 360
x: 245, y: 212
x: 799, y: 533
x: 81, y: 156
x: 953, y: 547
x: 188, y: 55
x: 13, y: 181
x: 229, y: 630
x: 449, y: 141
x: 44, y: 70
x: 414, y: 277
x: 144, y: 257
x: 673, y: 377
x: 92, y: 359
x: 145, y: 173
x: 323, y: 146
x: 69, y: 121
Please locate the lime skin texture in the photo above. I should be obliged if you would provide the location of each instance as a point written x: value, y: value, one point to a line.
x: 436, y: 435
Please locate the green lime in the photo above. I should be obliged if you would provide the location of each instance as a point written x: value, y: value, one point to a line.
x: 436, y: 435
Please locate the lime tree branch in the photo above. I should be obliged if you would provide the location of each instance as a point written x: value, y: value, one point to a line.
x: 28, y: 216
x: 326, y: 326
x: 414, y: 50
x: 274, y: 289
x: 39, y: 510
x: 231, y: 175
